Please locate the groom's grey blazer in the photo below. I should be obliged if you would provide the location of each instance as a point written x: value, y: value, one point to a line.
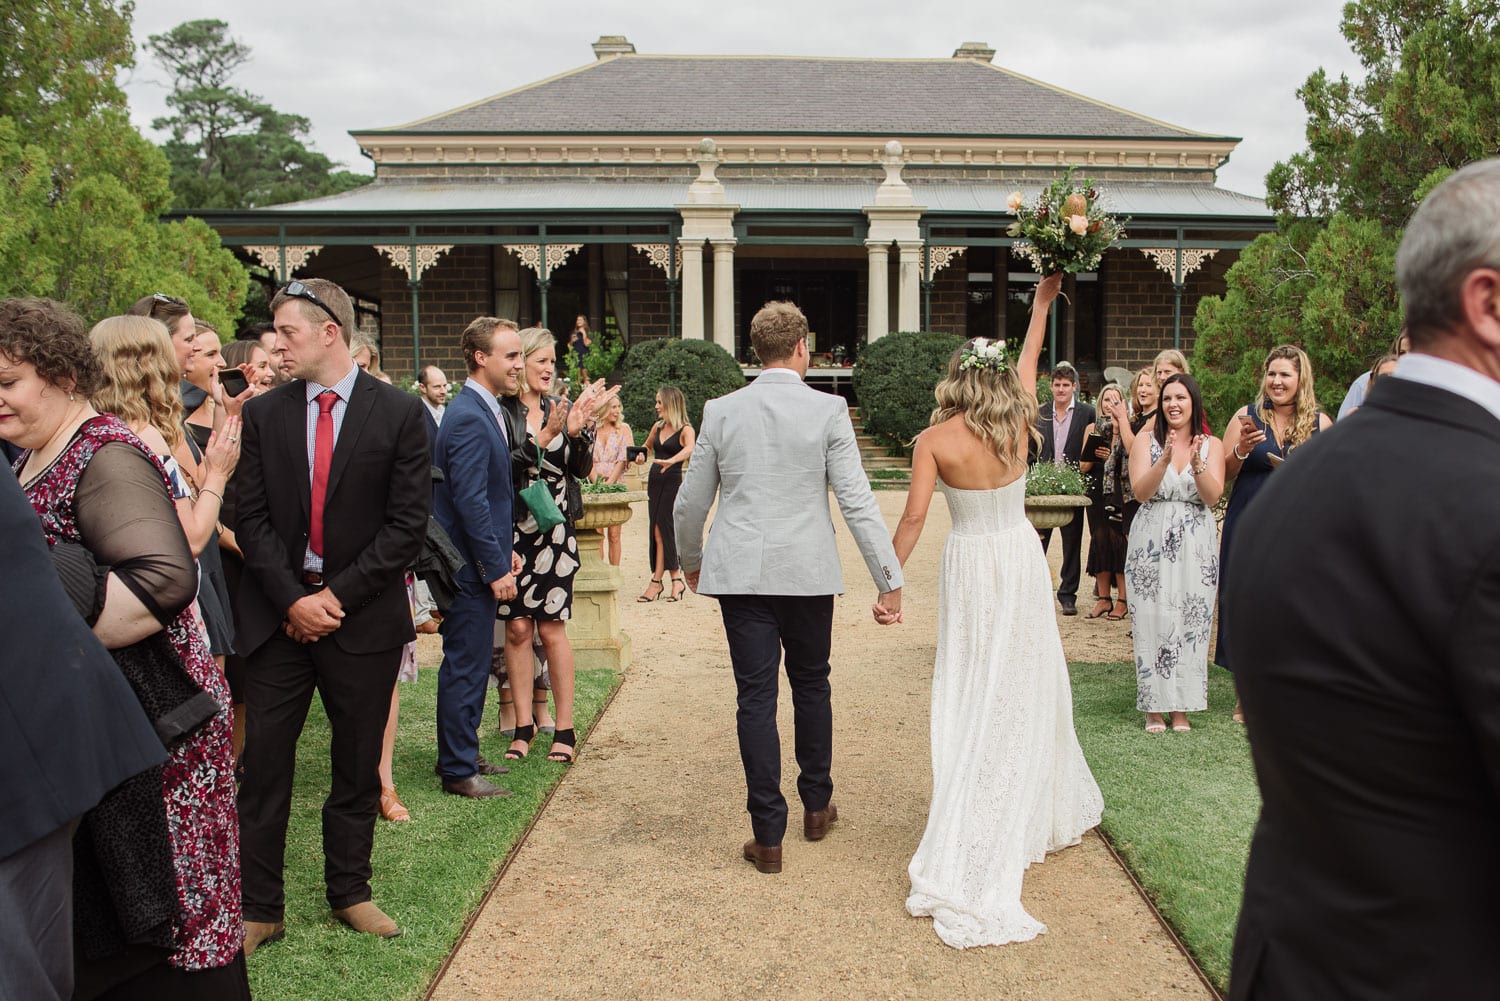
x: 771, y: 451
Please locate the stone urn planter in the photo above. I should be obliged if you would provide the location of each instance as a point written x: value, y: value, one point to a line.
x: 1052, y: 510
x: 594, y: 630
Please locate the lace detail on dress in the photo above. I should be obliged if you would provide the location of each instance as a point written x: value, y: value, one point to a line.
x: 1010, y: 783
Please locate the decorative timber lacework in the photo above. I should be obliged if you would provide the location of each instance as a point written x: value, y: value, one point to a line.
x: 939, y: 258
x: 530, y: 255
x: 270, y: 256
x: 660, y: 255
x: 1166, y: 259
x: 427, y: 255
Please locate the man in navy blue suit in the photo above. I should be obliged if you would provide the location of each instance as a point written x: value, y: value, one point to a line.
x: 473, y: 503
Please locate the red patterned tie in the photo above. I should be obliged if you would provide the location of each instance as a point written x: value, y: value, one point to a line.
x: 322, y: 460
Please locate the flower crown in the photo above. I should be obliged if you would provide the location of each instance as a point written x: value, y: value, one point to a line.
x: 983, y: 353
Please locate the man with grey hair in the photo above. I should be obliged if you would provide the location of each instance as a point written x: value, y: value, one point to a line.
x: 1364, y: 623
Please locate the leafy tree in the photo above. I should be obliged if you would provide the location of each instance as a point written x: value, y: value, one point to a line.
x: 80, y: 188
x: 229, y: 148
x: 1428, y: 103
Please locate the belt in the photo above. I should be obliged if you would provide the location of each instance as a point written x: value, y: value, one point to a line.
x: 312, y: 578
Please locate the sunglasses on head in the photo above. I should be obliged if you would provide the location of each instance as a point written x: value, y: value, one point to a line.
x: 168, y: 300
x: 297, y: 290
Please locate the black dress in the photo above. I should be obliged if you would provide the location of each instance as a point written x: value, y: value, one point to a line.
x: 1106, y: 527
x: 661, y: 496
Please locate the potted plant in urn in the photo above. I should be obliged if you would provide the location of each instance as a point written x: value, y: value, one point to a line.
x: 1054, y: 494
x: 594, y: 630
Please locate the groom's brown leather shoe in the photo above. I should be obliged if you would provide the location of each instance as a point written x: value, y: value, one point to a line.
x: 368, y: 919
x: 765, y: 859
x: 815, y: 823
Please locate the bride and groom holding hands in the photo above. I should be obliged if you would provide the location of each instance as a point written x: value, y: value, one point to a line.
x: 1009, y: 780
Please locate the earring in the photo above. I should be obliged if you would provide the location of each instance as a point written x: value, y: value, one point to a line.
x: 70, y: 397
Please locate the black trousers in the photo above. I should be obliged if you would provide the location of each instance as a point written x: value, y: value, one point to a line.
x: 36, y: 918
x: 759, y: 629
x: 279, y: 680
x: 1072, y: 545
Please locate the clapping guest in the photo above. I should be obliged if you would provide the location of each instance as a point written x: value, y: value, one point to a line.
x: 1172, y: 561
x: 670, y: 444
x: 1142, y: 399
x: 1105, y: 512
x: 1258, y: 438
x: 95, y: 485
x: 557, y: 450
x: 610, y: 463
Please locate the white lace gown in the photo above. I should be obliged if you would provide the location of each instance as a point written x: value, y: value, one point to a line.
x: 1009, y: 781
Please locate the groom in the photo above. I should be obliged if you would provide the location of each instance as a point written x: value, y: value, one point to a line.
x: 772, y: 451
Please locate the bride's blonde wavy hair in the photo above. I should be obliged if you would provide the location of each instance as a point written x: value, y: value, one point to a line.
x: 996, y: 408
x: 140, y: 374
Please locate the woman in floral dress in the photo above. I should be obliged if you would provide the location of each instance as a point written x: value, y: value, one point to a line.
x: 1172, y: 561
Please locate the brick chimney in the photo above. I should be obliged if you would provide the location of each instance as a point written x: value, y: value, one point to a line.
x: 977, y: 51
x: 609, y: 46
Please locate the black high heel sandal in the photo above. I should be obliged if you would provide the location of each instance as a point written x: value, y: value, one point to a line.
x: 647, y: 595
x: 524, y: 734
x: 567, y: 739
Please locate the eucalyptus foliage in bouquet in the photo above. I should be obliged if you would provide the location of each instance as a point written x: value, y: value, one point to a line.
x: 1067, y: 227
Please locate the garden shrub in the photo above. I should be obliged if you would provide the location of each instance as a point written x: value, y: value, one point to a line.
x: 701, y: 369
x: 894, y: 380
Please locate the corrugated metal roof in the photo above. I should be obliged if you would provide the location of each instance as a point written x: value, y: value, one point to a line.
x: 794, y: 95
x: 1124, y: 198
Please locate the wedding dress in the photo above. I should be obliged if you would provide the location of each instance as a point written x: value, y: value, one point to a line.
x: 1009, y: 781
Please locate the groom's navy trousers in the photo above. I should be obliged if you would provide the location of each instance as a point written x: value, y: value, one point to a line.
x: 759, y: 629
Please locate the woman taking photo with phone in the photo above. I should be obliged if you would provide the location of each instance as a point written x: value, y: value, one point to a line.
x: 1259, y: 438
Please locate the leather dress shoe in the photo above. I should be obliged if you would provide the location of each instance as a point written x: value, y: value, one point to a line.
x: 259, y: 933
x: 368, y: 919
x: 765, y: 859
x: 485, y: 768
x: 815, y: 822
x: 474, y: 787
x: 1069, y: 605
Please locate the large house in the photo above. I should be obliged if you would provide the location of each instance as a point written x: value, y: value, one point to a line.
x: 673, y: 195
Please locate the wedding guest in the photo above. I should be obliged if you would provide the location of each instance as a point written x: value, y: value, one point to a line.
x: 1169, y: 362
x: 419, y: 596
x: 58, y: 679
x: 432, y: 390
x: 670, y: 444
x: 164, y: 916
x: 367, y: 355
x: 579, y: 342
x: 1062, y: 426
x: 1143, y: 395
x: 557, y: 450
x: 266, y: 334
x: 1382, y: 367
x: 1172, y: 561
x: 251, y: 359
x: 1364, y: 620
x: 202, y: 402
x: 177, y: 317
x: 1106, y: 506
x: 1258, y: 438
x: 475, y: 504
x: 610, y: 463
x: 1362, y: 382
x: 322, y: 605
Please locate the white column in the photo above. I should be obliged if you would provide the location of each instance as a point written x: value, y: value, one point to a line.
x: 878, y: 314
x: 909, y: 298
x: 692, y: 291
x: 724, y: 295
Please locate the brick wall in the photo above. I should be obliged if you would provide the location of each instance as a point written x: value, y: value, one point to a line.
x: 454, y: 291
x: 950, y: 300
x: 1138, y: 304
x: 650, y: 300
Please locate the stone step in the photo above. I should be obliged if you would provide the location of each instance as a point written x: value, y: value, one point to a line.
x: 886, y: 462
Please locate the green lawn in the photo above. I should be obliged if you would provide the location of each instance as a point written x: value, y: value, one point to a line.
x: 430, y: 873
x: 1179, y: 807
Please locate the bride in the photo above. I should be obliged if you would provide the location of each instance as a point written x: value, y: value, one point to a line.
x: 1009, y: 782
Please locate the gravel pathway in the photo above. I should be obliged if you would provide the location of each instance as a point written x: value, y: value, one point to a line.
x: 631, y: 884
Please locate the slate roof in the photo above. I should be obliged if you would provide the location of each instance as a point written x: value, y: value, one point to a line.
x: 787, y: 95
x: 1136, y: 199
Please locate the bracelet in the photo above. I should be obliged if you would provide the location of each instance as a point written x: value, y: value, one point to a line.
x: 1237, y: 455
x: 205, y: 490
x: 1199, y: 468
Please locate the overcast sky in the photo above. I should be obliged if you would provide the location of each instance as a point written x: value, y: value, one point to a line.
x: 1208, y: 65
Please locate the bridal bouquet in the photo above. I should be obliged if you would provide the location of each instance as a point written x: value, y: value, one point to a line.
x: 1067, y: 229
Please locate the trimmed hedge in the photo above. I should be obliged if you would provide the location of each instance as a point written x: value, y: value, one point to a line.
x: 894, y: 380
x: 701, y: 369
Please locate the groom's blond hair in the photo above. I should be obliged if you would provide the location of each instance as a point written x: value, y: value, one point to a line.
x: 996, y: 408
x: 775, y: 331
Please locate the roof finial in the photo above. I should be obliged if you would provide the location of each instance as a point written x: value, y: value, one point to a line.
x: 980, y: 52
x: 893, y: 190
x: 609, y: 46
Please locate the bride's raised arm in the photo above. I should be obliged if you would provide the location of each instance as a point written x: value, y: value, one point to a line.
x: 1031, y: 350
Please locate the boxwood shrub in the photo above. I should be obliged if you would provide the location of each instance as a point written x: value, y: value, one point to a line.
x: 701, y: 369
x: 894, y: 380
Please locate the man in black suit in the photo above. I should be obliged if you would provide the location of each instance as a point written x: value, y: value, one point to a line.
x: 1364, y: 625
x: 432, y: 389
x: 1062, y: 425
x: 334, y: 492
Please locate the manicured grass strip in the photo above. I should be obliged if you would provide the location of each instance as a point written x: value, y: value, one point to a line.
x: 1179, y: 807
x: 430, y: 873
